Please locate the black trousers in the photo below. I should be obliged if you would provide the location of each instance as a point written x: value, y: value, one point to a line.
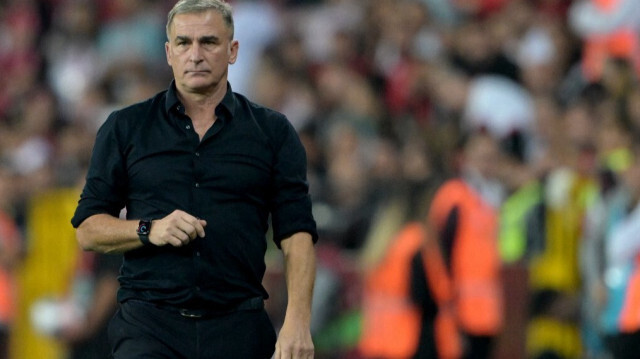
x: 142, y: 331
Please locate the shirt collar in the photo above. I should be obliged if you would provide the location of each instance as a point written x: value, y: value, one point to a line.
x: 228, y: 103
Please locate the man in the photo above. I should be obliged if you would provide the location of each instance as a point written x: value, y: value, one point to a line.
x: 200, y: 169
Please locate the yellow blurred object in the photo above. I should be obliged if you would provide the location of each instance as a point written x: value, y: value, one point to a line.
x: 618, y: 160
x: 556, y: 267
x: 47, y: 271
x: 548, y: 333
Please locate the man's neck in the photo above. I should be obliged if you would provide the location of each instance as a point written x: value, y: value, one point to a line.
x: 202, y: 102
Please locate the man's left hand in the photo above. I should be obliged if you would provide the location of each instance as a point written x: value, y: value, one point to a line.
x: 294, y: 341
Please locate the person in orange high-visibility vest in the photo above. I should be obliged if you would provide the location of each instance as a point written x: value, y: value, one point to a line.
x: 436, y: 292
x: 610, y: 29
x: 463, y: 215
x: 391, y: 321
x: 407, y: 299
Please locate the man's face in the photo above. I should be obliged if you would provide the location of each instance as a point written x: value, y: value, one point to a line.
x: 199, y: 51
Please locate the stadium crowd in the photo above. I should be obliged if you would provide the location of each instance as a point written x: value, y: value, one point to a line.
x: 382, y: 93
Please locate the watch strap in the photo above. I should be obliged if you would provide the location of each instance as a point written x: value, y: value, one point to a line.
x: 144, y: 228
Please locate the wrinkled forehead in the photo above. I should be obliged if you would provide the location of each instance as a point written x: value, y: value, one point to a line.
x: 209, y: 22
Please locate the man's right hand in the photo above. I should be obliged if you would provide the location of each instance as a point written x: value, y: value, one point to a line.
x: 177, y: 229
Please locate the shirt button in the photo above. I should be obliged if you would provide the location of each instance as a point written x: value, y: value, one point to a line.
x: 198, y: 254
x: 197, y: 154
x: 188, y: 127
x: 197, y: 185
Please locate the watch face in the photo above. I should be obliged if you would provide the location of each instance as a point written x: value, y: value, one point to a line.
x: 144, y: 227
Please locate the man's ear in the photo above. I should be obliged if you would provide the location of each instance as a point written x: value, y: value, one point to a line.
x: 167, y: 52
x: 233, y: 51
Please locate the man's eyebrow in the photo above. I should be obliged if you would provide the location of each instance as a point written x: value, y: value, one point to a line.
x: 182, y: 38
x: 208, y: 38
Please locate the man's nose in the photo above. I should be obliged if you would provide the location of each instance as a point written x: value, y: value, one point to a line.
x: 195, y: 54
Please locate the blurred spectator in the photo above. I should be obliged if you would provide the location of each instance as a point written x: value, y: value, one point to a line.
x: 134, y: 33
x: 95, y: 288
x: 20, y: 60
x: 464, y: 218
x: 632, y: 108
x: 517, y: 225
x: 492, y: 103
x: 442, y: 11
x: 546, y: 145
x: 479, y: 7
x: 257, y: 24
x: 319, y: 25
x: 475, y: 51
x: 10, y: 249
x: 282, y: 81
x: 621, y: 248
x: 610, y: 29
x: 129, y: 49
x: 391, y: 320
x: 539, y: 60
x: 71, y: 53
x: 598, y: 315
x: 568, y: 190
x: 396, y: 321
x: 30, y: 148
x: 523, y: 192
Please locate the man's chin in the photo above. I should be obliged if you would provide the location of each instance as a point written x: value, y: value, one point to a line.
x: 202, y: 85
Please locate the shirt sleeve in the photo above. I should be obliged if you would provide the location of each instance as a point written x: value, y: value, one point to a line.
x: 291, y: 205
x: 105, y: 186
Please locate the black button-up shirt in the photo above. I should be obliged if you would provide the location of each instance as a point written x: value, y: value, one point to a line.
x: 250, y: 164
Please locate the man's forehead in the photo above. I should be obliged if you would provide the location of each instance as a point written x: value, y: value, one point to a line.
x: 209, y: 21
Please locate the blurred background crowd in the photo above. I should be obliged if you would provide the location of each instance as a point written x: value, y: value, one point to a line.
x: 388, y: 97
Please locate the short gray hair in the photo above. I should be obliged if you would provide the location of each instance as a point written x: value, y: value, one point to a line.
x: 193, y: 6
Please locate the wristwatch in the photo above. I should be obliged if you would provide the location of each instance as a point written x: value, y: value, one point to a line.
x: 144, y: 228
